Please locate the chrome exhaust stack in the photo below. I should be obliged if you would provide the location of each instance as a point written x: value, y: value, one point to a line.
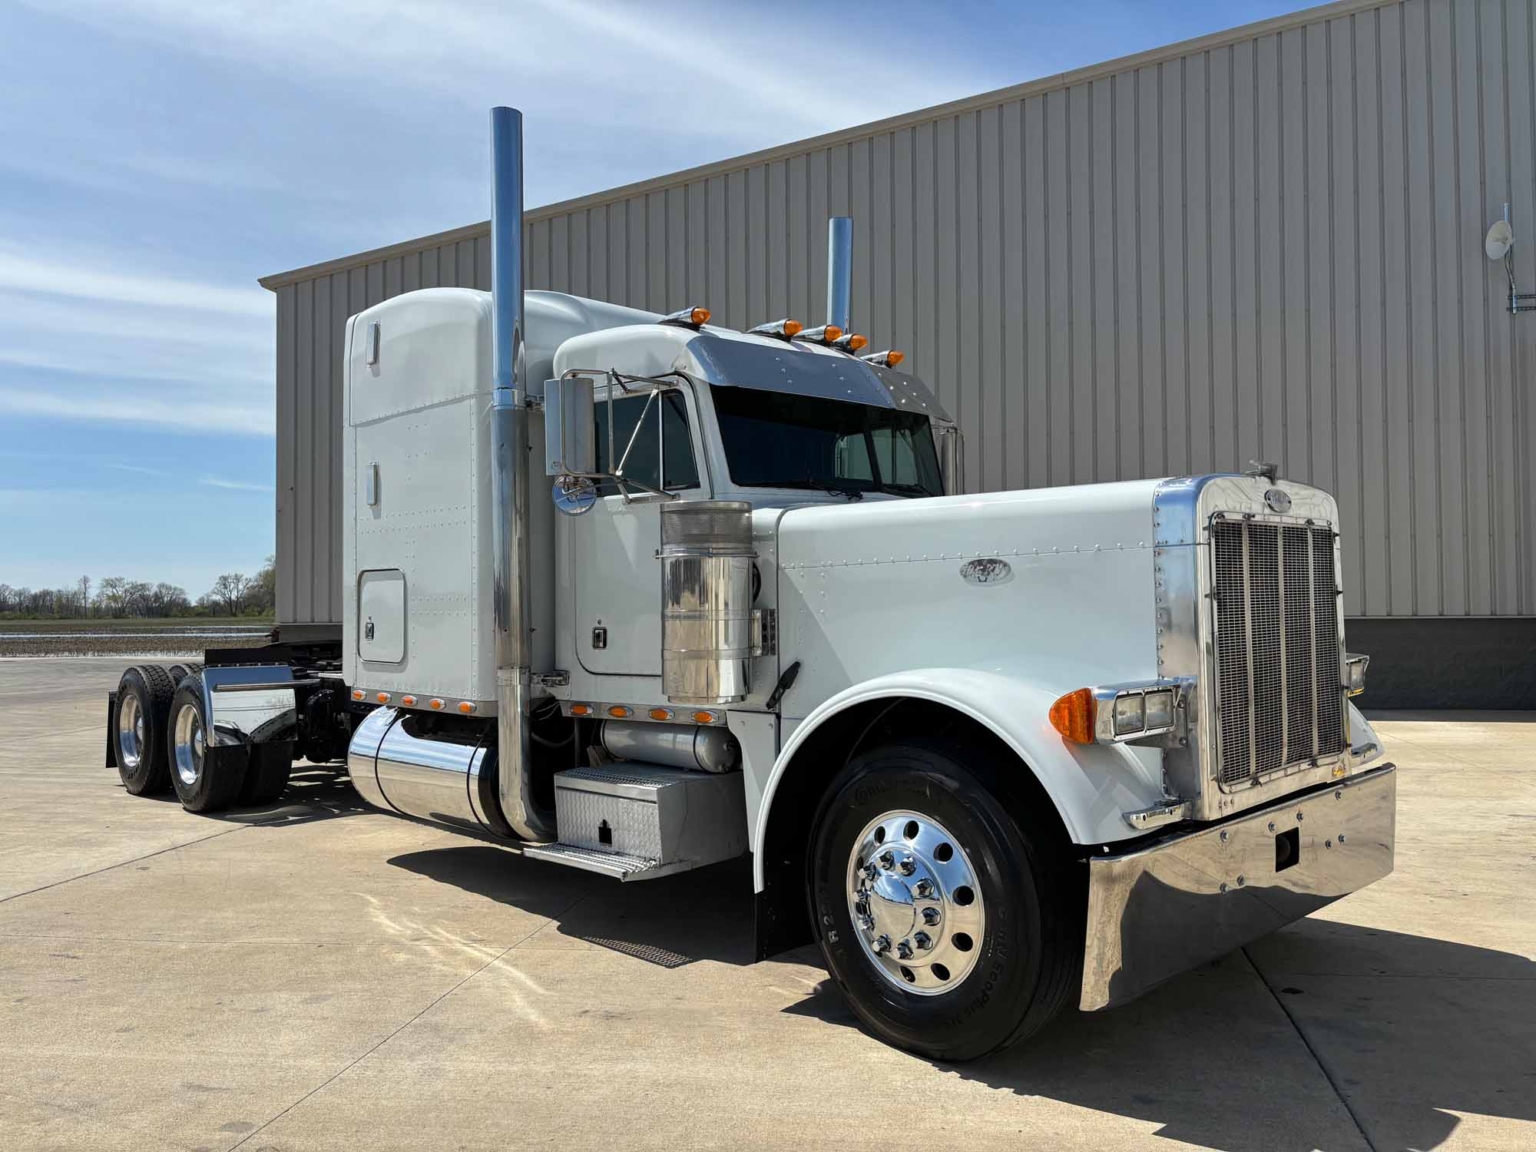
x: 840, y: 271
x: 509, y: 484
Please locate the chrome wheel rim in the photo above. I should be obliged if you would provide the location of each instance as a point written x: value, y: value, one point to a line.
x: 130, y: 732
x: 187, y: 749
x: 915, y: 903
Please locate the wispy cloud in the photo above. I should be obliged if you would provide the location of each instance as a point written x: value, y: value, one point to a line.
x: 632, y: 66
x: 233, y: 485
x: 24, y: 273
x: 236, y: 416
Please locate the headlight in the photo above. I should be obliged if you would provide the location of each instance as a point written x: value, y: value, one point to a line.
x: 1159, y: 709
x: 1354, y: 673
x: 1130, y: 714
x: 1111, y: 713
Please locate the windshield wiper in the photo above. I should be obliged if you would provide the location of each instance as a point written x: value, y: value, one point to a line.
x: 851, y: 494
x: 905, y: 489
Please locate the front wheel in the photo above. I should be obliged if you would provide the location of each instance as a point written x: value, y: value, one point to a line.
x: 951, y: 924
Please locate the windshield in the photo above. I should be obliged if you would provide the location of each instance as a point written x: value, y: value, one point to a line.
x: 779, y: 440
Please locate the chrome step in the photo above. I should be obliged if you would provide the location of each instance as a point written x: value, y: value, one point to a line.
x: 619, y: 865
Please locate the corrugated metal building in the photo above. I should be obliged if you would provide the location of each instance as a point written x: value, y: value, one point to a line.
x: 1263, y: 244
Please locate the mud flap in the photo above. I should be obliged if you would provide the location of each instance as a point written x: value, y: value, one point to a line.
x: 111, y: 725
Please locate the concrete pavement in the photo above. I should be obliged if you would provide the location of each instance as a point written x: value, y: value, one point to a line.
x: 314, y: 975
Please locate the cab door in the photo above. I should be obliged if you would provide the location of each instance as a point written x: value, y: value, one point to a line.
x: 615, y: 569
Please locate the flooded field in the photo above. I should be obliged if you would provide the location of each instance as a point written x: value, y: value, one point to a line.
x: 174, y: 637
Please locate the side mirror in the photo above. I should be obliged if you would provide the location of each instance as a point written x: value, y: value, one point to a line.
x: 569, y: 442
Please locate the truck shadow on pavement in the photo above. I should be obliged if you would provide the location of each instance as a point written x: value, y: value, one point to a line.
x: 314, y: 792
x: 1317, y: 1029
x: 1304, y: 1039
x: 671, y: 922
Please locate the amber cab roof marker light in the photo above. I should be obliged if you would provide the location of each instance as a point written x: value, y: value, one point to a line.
x: 825, y: 334
x: 783, y: 329
x: 691, y: 317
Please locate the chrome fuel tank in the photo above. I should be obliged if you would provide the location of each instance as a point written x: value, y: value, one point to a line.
x: 404, y: 762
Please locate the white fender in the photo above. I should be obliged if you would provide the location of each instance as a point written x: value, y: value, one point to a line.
x: 1092, y: 786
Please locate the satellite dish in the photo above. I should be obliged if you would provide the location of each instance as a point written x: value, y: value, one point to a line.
x: 573, y: 495
x: 1501, y: 238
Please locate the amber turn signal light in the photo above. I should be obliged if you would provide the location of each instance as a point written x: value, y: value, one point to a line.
x: 1072, y: 716
x: 692, y: 316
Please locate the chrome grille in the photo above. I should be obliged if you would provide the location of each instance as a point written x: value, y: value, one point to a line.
x: 1279, y: 680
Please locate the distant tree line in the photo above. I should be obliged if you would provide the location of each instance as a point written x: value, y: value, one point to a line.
x: 118, y: 598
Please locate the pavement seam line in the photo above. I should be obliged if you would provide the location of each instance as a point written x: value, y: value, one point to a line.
x: 1313, y: 1052
x: 123, y: 863
x: 363, y: 1056
x: 353, y: 1063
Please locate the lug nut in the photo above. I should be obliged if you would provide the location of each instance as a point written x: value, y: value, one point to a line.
x: 924, y: 888
x: 923, y: 940
x: 881, y: 944
x: 870, y: 871
x: 931, y: 915
x: 904, y: 950
x: 907, y: 865
x: 886, y: 861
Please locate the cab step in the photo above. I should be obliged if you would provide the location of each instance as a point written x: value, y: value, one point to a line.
x: 636, y: 821
x: 619, y: 865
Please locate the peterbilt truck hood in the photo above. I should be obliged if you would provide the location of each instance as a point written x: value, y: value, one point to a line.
x: 1055, y: 583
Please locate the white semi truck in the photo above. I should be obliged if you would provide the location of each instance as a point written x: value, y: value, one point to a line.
x: 997, y: 754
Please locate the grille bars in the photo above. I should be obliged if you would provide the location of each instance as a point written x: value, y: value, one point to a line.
x: 1278, y: 691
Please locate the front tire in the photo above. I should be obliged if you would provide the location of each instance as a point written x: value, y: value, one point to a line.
x: 951, y: 924
x: 207, y: 776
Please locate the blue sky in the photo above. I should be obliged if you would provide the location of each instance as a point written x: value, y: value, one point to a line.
x: 157, y: 156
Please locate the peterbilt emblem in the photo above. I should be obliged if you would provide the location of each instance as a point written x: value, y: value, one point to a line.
x: 1278, y: 499
x: 986, y: 570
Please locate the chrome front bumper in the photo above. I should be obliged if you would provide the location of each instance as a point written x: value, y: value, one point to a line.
x: 1165, y: 907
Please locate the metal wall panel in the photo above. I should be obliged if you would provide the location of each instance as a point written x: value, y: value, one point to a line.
x: 1263, y: 245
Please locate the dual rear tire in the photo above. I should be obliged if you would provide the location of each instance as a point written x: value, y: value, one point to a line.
x: 163, y: 740
x: 138, y: 729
